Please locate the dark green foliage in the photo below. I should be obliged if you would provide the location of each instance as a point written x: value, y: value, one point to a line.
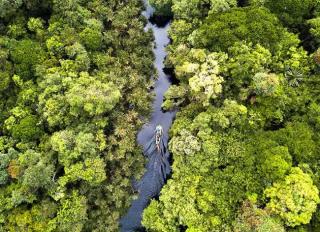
x: 5, y: 80
x: 162, y: 7
x: 25, y: 55
x: 27, y: 129
x: 256, y: 25
x: 91, y: 36
x: 9, y: 7
x: 293, y: 12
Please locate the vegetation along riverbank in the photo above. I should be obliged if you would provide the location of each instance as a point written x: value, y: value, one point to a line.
x: 74, y: 81
x: 245, y: 142
x: 77, y: 84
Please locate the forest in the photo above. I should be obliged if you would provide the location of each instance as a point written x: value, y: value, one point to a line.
x: 245, y: 142
x: 75, y: 89
x: 74, y: 82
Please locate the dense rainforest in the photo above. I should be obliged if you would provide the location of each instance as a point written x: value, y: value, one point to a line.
x: 246, y: 139
x: 74, y: 81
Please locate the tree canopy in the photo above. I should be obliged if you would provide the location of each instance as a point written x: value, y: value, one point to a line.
x: 245, y: 140
x: 74, y: 79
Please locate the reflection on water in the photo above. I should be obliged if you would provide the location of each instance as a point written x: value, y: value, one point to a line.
x: 158, y: 166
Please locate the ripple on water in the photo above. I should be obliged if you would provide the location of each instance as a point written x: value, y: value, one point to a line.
x: 158, y: 166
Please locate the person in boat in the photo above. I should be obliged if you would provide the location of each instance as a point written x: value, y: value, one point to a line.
x: 158, y: 134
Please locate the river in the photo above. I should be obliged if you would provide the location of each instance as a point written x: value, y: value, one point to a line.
x: 152, y: 181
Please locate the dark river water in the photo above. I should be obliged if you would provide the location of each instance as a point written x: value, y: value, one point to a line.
x: 158, y: 166
x: 162, y: 84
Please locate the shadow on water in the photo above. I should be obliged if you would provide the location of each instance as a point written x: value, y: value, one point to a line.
x: 160, y: 21
x: 158, y: 167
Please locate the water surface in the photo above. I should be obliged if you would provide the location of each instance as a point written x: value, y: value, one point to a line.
x: 158, y: 166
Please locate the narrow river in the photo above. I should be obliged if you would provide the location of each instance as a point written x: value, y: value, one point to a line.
x: 152, y: 182
x: 163, y: 82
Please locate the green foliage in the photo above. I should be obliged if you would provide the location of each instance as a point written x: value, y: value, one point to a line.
x: 200, y: 195
x: 179, y: 31
x: 185, y: 144
x: 293, y: 12
x: 9, y: 7
x: 201, y: 71
x: 27, y: 129
x: 244, y: 61
x: 315, y: 28
x: 256, y: 25
x: 265, y: 84
x: 37, y: 173
x: 35, y: 24
x: 174, y: 97
x: 245, y: 136
x: 74, y: 77
x: 4, y: 176
x: 91, y: 96
x: 162, y: 7
x: 220, y: 6
x: 70, y: 146
x: 5, y: 80
x: 91, y: 36
x: 26, y: 54
x: 206, y: 81
x: 72, y: 214
x: 34, y: 219
x: 295, y: 199
x: 256, y: 2
x: 92, y: 171
x: 251, y: 218
x: 275, y: 163
x: 190, y: 11
x: 299, y: 138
